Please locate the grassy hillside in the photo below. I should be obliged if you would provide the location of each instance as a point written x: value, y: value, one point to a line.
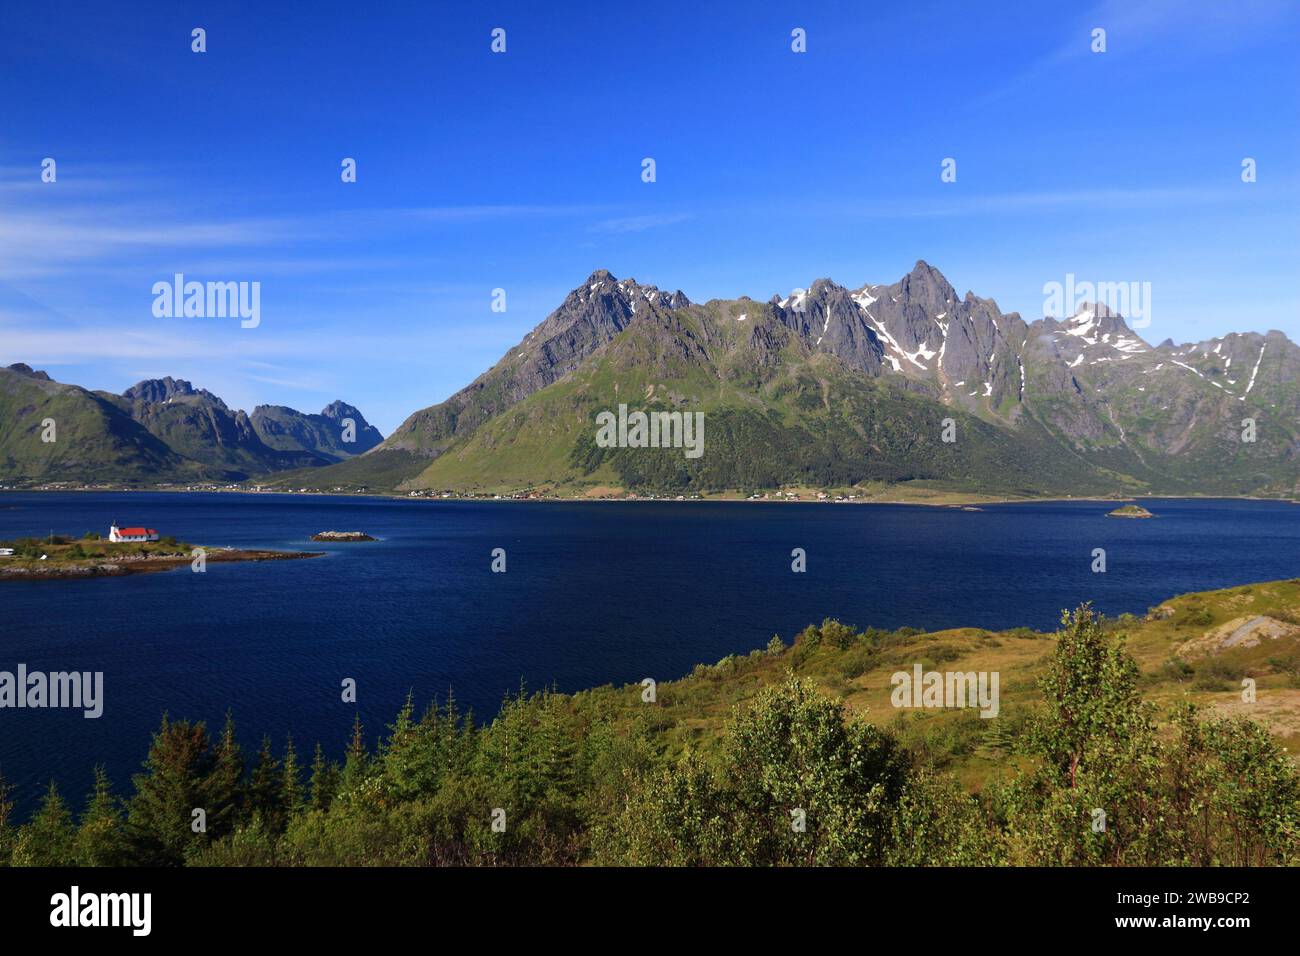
x: 854, y: 666
x: 92, y: 436
x: 381, y: 469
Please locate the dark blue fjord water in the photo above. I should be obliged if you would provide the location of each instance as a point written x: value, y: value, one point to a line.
x: 594, y: 593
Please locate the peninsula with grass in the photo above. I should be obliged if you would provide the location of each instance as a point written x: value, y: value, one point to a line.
x: 62, y: 557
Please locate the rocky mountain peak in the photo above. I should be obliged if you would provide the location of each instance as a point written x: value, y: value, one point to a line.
x: 338, y: 410
x: 24, y: 369
x: 1094, y: 323
x: 161, y: 390
x: 927, y: 286
x: 603, y: 284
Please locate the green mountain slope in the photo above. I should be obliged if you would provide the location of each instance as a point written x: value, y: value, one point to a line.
x: 92, y: 436
x: 157, y: 431
x: 775, y: 414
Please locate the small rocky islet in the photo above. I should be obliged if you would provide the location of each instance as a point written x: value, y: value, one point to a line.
x: 342, y: 536
x: 1130, y: 511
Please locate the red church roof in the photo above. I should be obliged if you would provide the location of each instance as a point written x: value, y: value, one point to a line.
x: 135, y: 532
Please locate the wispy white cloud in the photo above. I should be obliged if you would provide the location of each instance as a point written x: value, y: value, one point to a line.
x: 49, y: 341
x: 484, y: 212
x: 301, y: 383
x: 991, y: 204
x: 1179, y: 28
x: 626, y: 224
x: 41, y: 239
x: 52, y: 243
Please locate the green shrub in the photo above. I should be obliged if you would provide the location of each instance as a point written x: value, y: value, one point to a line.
x: 857, y: 661
x: 1195, y: 616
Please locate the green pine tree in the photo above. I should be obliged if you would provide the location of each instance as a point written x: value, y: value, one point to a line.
x: 324, y: 781
x: 161, y: 822
x: 227, y: 800
x: 291, y: 790
x: 101, y: 836
x: 266, y: 788
x: 356, y: 764
x: 49, y: 839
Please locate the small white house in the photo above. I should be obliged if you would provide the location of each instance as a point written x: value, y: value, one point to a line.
x: 6, y: 552
x: 131, y: 534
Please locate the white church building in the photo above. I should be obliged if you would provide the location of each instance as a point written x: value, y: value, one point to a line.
x: 131, y: 534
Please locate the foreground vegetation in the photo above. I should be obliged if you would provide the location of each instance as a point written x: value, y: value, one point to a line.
x: 1118, y: 743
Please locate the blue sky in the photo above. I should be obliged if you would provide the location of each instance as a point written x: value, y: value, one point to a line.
x: 522, y: 171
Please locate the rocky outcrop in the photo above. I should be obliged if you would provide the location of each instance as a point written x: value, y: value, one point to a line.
x: 1240, y: 632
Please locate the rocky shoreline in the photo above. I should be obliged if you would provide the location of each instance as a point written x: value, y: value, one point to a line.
x: 116, y: 567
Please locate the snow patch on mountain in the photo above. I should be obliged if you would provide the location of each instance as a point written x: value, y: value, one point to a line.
x: 1255, y: 370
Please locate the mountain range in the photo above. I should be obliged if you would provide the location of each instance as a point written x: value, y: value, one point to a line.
x: 160, y: 431
x: 830, y: 387
x: 840, y: 387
